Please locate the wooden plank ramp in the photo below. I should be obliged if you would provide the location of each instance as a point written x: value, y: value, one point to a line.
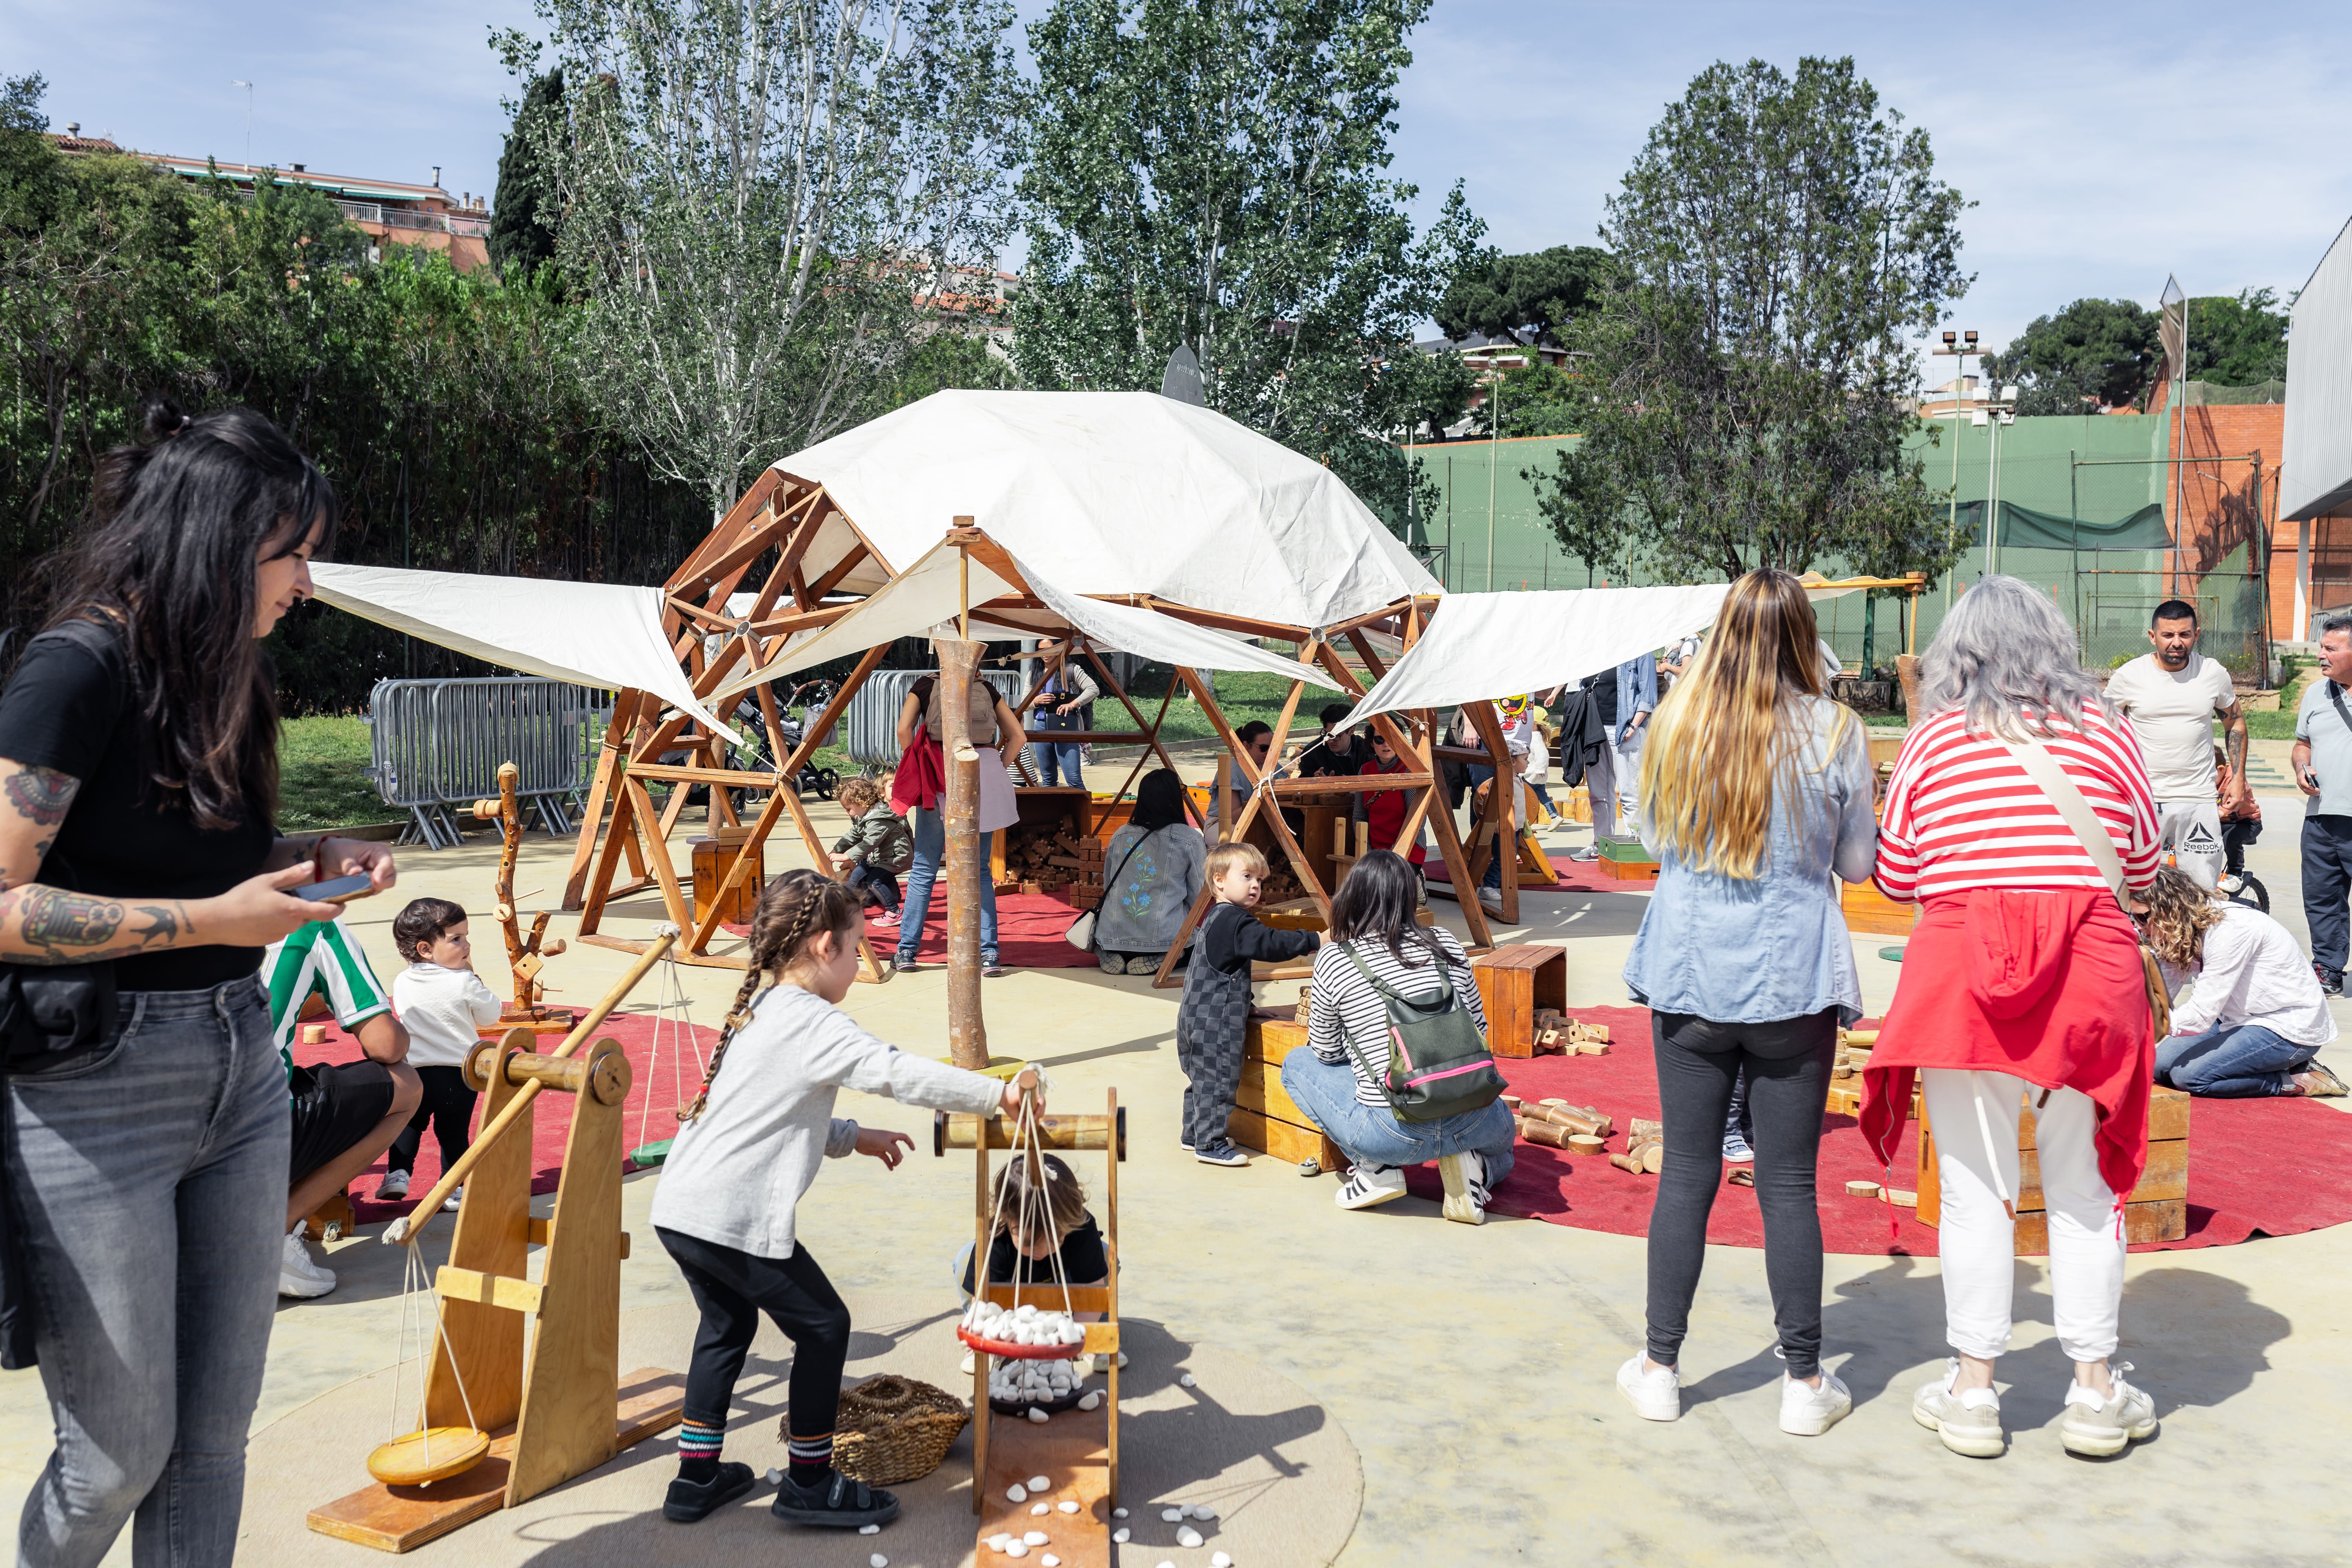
x: 1072, y: 1451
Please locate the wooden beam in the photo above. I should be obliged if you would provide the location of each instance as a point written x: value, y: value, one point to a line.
x: 748, y: 505
x: 612, y: 750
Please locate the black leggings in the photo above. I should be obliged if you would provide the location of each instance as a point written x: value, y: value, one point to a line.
x: 733, y: 1288
x: 448, y: 1106
x: 1787, y: 1067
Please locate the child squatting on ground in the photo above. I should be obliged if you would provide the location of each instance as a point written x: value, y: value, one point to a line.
x: 444, y: 1006
x: 1213, y: 1020
x: 747, y: 1149
x: 877, y: 850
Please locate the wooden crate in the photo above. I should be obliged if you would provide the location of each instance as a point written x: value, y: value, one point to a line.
x: 1625, y: 861
x: 1266, y: 1118
x: 2156, y: 1210
x: 712, y: 857
x: 1036, y: 803
x: 1869, y: 912
x: 1514, y: 982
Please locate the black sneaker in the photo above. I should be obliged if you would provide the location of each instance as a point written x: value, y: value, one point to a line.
x: 902, y: 964
x: 834, y: 1501
x: 2331, y: 981
x: 691, y: 1501
x: 1220, y: 1153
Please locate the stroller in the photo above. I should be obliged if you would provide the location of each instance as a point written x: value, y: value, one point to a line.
x: 794, y: 709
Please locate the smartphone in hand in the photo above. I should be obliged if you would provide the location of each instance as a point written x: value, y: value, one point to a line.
x: 335, y: 890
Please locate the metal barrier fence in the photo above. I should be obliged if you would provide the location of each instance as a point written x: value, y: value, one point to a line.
x: 870, y: 729
x: 435, y: 746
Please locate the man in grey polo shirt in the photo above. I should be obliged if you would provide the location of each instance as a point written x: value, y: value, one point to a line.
x: 2323, y: 771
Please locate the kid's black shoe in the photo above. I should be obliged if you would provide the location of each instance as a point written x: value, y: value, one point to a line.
x: 2331, y: 981
x: 835, y: 1501
x: 1220, y: 1153
x: 690, y: 1501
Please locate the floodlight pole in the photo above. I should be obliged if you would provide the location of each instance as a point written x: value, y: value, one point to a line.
x: 1960, y: 348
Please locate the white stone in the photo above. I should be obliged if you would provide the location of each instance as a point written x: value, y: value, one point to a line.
x: 1118, y: 1536
x: 1049, y: 1560
x: 1016, y: 1493
x: 996, y: 1542
x: 1035, y: 1538
x: 1037, y: 1416
x: 1068, y: 1507
x: 1040, y: 1511
x: 1122, y: 1357
x: 1202, y: 1510
x: 1041, y: 1483
x: 1220, y: 1560
x: 1091, y: 1402
x: 1188, y: 1536
x: 1172, y: 1515
x: 869, y: 1529
x: 879, y: 1560
x: 1185, y: 1381
x: 1016, y: 1549
x: 1118, y: 1513
x: 775, y: 1478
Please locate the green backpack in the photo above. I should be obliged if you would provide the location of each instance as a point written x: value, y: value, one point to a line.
x: 1438, y: 1062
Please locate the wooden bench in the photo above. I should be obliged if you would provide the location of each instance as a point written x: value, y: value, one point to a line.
x: 1266, y: 1118
x: 2156, y: 1210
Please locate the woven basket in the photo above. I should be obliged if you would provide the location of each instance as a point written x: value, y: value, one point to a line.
x: 892, y: 1430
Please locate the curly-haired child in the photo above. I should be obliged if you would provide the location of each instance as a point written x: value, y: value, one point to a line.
x: 877, y: 850
x: 746, y: 1150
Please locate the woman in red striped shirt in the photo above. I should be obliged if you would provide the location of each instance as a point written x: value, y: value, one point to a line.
x: 2021, y: 979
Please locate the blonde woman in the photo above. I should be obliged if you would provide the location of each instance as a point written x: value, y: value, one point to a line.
x: 1755, y: 797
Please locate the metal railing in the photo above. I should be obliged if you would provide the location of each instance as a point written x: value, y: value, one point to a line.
x: 870, y: 729
x: 477, y: 224
x: 435, y: 746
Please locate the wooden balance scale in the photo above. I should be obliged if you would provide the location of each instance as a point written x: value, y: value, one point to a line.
x: 1077, y: 1450
x: 534, y: 1367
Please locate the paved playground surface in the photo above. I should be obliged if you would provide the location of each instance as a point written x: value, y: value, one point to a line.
x: 1433, y: 1394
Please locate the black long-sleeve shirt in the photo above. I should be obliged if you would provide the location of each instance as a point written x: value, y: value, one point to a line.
x: 1231, y: 937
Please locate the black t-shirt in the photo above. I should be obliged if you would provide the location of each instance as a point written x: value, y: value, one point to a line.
x: 69, y: 707
x: 1602, y: 690
x: 1084, y: 1261
x: 1323, y: 760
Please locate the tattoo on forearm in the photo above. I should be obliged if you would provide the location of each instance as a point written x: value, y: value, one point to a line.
x: 163, y: 928
x: 56, y: 920
x: 42, y: 793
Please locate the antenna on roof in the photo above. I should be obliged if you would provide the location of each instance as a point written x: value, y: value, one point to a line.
x: 1181, y: 381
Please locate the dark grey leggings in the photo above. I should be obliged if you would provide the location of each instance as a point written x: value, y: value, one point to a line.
x: 1787, y: 1067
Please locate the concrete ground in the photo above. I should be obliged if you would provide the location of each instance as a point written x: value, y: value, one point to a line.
x: 1470, y: 1369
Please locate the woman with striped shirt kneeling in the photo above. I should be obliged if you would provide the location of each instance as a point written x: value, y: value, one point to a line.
x: 2022, y: 979
x: 1334, y: 1077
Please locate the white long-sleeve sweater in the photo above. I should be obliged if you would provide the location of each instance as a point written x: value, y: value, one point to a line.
x: 735, y: 1173
x: 2253, y: 972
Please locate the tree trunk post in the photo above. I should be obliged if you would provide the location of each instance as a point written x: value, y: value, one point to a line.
x: 967, y: 1032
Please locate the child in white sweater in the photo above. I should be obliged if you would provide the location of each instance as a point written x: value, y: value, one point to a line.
x: 746, y: 1150
x: 444, y: 1006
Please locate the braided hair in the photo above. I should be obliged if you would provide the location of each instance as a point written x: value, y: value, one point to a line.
x: 793, y: 908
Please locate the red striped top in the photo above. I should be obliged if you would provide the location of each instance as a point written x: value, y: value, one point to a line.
x: 1962, y: 813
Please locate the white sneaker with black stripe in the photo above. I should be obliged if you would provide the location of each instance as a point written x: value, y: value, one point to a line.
x: 1465, y: 1177
x: 1369, y: 1185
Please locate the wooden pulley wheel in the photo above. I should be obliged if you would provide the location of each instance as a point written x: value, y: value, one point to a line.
x: 608, y: 1079
x: 431, y: 1453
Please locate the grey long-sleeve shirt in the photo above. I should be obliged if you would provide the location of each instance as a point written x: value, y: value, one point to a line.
x: 736, y: 1173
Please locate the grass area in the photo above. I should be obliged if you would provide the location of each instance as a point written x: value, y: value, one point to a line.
x: 322, y: 775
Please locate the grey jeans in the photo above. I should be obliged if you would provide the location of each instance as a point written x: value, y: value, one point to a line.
x: 149, y: 1184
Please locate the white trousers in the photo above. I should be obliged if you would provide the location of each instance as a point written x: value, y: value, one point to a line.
x: 1625, y: 768
x: 1977, y: 1237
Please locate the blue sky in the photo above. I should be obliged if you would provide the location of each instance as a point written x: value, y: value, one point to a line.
x: 2104, y: 146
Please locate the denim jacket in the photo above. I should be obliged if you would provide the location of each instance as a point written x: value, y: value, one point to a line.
x: 1774, y: 946
x: 1637, y: 692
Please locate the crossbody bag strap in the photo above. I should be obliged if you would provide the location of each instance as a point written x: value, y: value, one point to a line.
x: 2043, y: 769
x: 2336, y: 695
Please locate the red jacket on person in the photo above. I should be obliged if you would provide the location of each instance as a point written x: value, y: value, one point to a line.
x: 1384, y: 812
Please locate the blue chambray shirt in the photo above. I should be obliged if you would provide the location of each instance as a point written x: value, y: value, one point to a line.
x: 1755, y: 951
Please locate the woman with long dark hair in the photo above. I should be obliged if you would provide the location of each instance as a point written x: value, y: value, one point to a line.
x: 145, y: 1113
x: 1336, y: 1076
x: 1755, y: 796
x: 1152, y: 876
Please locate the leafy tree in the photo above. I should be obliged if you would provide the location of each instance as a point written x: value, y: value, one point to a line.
x: 1212, y: 173
x: 2237, y: 342
x: 756, y: 193
x: 522, y: 216
x: 1781, y: 237
x: 1530, y: 299
x: 2094, y: 354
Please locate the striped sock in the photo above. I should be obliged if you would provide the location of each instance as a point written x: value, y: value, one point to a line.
x: 697, y: 1451
x: 810, y: 1457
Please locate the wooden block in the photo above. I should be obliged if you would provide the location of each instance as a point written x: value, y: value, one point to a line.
x: 1902, y: 1199
x: 1585, y: 1143
x: 1284, y: 1140
x: 1867, y: 909
x: 1271, y: 1039
x: 712, y: 857
x: 1626, y: 870
x: 1260, y: 1090
x: 314, y: 1034
x: 1550, y: 1134
x: 1862, y: 1189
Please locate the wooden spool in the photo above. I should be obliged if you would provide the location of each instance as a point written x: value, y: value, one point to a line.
x: 1585, y: 1143
x: 428, y: 1455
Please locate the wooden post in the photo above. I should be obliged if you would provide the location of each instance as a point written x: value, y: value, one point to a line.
x: 1906, y: 671
x: 967, y: 1033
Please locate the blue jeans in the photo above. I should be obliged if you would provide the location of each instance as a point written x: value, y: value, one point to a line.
x: 150, y: 1181
x: 1049, y: 754
x: 1479, y: 774
x: 864, y: 880
x: 2230, y: 1061
x: 930, y: 848
x: 1326, y: 1092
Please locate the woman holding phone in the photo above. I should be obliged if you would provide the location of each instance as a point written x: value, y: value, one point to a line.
x: 145, y: 1119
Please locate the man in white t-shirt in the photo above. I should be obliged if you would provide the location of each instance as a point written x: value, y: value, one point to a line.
x: 2171, y: 696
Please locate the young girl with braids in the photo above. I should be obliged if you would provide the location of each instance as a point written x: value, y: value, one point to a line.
x: 746, y: 1150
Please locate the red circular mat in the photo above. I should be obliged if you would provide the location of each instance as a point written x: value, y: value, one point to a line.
x: 2256, y: 1167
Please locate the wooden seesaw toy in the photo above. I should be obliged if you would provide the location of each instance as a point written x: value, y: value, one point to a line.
x: 526, y: 955
x: 524, y: 1390
x: 1075, y: 1450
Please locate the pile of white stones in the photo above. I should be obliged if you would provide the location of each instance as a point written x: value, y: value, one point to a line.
x: 1023, y: 1325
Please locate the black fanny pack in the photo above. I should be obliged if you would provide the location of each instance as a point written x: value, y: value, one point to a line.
x: 53, y: 1015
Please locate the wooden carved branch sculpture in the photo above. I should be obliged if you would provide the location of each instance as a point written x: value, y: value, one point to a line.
x: 526, y: 955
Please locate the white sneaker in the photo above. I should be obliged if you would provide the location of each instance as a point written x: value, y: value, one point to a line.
x: 2102, y: 1427
x: 1465, y: 1177
x: 1369, y: 1184
x: 298, y: 1276
x: 456, y: 1195
x: 1491, y: 900
x: 392, y: 1188
x: 1807, y: 1411
x: 1656, y: 1390
x: 1968, y: 1421
x: 1589, y: 852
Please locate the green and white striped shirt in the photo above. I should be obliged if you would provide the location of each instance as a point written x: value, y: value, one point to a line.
x: 318, y: 958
